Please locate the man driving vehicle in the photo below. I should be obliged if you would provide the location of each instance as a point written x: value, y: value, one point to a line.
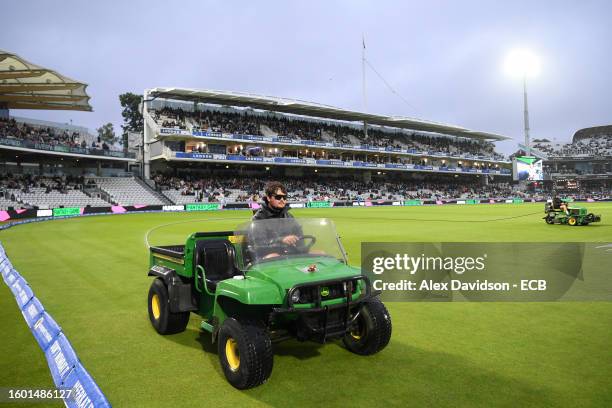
x: 559, y: 204
x: 282, y: 236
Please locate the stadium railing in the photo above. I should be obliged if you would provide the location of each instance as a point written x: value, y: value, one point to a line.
x: 65, y: 149
x: 331, y: 163
x: 283, y: 140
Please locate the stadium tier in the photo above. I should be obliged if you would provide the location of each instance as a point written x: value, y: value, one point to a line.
x: 10, y: 128
x: 6, y: 203
x: 307, y: 189
x: 52, y: 138
x: 590, y: 142
x: 128, y: 191
x: 39, y: 197
x: 40, y: 192
x: 34, y: 192
x: 582, y: 167
x: 211, y: 121
x: 240, y: 129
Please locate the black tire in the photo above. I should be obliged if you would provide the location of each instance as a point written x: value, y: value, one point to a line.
x: 249, y: 339
x: 162, y: 319
x: 372, y: 330
x: 550, y: 220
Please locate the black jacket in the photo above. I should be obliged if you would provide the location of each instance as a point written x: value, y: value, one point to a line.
x: 266, y: 212
x: 265, y: 238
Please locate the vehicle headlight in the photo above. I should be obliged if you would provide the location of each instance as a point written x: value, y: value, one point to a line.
x: 295, y: 296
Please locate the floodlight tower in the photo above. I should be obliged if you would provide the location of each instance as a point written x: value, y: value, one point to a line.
x: 525, y: 64
x: 526, y: 115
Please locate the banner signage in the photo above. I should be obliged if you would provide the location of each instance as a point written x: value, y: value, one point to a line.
x: 62, y: 212
x: 203, y: 207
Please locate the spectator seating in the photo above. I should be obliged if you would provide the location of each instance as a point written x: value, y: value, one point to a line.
x: 595, y: 146
x: 5, y: 203
x: 53, y: 136
x: 128, y: 191
x: 231, y: 189
x: 240, y: 122
x: 70, y: 198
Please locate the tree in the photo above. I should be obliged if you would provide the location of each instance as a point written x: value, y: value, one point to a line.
x: 132, y: 116
x: 106, y: 133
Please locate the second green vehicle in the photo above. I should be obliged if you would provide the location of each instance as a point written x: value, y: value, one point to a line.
x: 255, y: 286
x: 565, y: 212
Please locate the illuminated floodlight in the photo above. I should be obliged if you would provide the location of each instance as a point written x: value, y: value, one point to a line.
x: 522, y: 63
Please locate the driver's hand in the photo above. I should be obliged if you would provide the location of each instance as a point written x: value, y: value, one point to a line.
x: 290, y: 240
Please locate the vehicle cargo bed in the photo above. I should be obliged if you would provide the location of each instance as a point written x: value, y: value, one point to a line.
x: 175, y: 251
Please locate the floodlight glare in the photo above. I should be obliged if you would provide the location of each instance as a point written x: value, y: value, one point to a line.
x: 523, y: 63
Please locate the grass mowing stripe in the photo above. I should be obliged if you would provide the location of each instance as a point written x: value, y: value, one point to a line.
x: 471, y: 354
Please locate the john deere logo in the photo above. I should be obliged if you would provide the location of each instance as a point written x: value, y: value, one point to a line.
x: 324, y: 292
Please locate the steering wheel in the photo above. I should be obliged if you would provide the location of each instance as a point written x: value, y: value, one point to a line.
x: 297, y: 248
x: 308, y: 245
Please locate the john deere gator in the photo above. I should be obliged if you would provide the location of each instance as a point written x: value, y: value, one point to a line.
x: 266, y: 281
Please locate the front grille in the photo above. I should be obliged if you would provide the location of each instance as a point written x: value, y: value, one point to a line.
x: 335, y: 290
x: 309, y: 294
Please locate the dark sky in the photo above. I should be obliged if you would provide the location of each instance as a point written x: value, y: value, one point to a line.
x: 444, y: 57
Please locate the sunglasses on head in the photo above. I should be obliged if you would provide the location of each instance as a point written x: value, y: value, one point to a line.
x: 280, y: 196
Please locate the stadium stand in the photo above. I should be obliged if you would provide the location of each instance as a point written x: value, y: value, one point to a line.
x: 38, y: 197
x: 589, y: 142
x: 42, y: 192
x: 582, y: 168
x: 11, y: 128
x: 28, y: 132
x: 49, y: 150
x: 230, y: 189
x: 128, y: 191
x: 295, y: 128
x: 5, y: 203
x: 32, y: 191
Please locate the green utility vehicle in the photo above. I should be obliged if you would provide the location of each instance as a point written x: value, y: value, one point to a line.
x: 268, y: 281
x: 563, y: 212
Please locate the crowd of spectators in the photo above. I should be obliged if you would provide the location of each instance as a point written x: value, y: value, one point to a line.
x: 596, y: 146
x: 51, y: 136
x: 303, y: 189
x: 9, y: 183
x: 301, y: 129
x: 317, y: 153
x: 10, y: 128
x: 571, y: 169
x: 170, y: 117
x: 233, y: 189
x: 210, y: 189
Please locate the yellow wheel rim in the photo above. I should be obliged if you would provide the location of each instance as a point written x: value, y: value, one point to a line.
x: 572, y: 221
x: 358, y: 332
x: 155, y: 307
x: 232, y: 354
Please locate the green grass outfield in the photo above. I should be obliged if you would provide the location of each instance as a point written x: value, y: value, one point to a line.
x: 90, y: 274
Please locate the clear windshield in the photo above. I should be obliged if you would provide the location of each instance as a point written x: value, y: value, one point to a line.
x: 290, y: 237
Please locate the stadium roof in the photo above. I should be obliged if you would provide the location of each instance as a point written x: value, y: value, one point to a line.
x: 596, y: 131
x: 298, y: 107
x: 24, y: 85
